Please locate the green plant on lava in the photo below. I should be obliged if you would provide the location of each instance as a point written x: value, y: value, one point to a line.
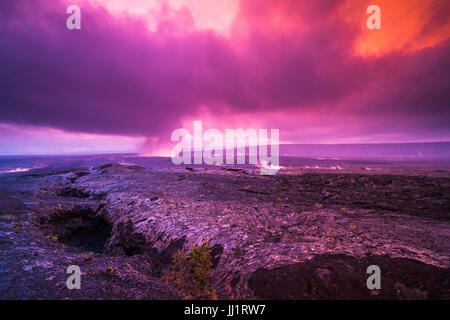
x: 200, y: 261
x: 179, y: 274
x: 190, y: 273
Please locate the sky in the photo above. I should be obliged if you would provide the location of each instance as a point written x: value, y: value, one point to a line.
x: 137, y: 70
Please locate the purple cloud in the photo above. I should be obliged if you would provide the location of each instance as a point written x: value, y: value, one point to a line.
x: 115, y: 76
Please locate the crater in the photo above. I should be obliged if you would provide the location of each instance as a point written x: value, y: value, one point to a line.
x: 80, y: 227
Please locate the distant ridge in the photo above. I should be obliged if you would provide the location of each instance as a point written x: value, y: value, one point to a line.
x: 426, y: 150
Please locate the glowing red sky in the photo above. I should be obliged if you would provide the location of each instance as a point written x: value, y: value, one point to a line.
x: 139, y: 69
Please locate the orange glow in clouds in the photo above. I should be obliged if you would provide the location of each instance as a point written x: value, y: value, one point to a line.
x: 407, y: 25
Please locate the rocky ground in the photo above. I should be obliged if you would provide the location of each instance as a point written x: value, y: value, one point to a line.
x: 297, y: 235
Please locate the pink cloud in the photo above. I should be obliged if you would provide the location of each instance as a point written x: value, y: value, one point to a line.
x: 282, y: 64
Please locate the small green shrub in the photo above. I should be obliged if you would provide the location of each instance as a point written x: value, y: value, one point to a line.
x: 179, y: 273
x: 190, y: 273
